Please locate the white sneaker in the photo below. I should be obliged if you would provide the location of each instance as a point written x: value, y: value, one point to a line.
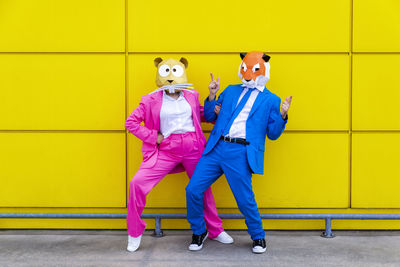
x: 133, y: 243
x: 224, y: 238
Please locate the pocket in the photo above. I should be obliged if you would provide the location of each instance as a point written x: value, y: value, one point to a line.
x: 196, y: 145
x: 165, y: 143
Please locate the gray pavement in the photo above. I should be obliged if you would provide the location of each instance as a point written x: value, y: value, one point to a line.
x: 285, y: 248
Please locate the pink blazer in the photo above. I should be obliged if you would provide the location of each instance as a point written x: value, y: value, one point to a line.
x: 148, y: 112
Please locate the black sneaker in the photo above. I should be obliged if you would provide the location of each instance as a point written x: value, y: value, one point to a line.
x: 198, y: 241
x: 259, y: 246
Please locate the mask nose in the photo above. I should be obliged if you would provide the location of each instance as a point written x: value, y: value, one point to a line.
x: 170, y: 81
x: 248, y: 80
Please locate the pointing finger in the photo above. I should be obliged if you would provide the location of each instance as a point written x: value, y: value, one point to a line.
x: 212, y: 76
x: 289, y: 99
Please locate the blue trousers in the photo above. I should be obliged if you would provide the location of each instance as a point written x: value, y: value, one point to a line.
x: 230, y: 159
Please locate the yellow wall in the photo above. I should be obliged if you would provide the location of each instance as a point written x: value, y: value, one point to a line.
x: 71, y: 71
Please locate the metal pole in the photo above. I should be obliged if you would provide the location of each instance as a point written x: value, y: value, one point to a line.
x: 157, y: 229
x: 183, y: 216
x: 328, y: 230
x: 157, y: 216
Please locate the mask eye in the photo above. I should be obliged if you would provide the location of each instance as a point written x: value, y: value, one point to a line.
x: 177, y: 71
x: 164, y: 70
x: 256, y: 67
x: 244, y: 67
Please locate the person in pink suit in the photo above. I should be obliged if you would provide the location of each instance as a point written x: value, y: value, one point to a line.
x: 172, y: 142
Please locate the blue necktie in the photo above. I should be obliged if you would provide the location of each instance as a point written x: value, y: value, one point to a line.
x: 238, y: 109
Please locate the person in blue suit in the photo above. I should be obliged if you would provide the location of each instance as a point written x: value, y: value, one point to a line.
x: 244, y: 115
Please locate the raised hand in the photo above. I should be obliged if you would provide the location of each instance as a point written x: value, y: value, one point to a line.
x: 213, y: 87
x: 285, y: 107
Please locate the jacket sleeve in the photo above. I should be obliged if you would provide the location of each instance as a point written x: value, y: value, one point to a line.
x: 132, y: 124
x: 209, y: 113
x: 276, y: 125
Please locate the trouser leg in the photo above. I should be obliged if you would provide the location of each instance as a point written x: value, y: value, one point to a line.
x: 212, y: 220
x: 239, y: 177
x: 207, y: 171
x: 141, y: 184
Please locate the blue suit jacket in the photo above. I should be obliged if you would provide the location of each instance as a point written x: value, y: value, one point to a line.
x: 264, y: 120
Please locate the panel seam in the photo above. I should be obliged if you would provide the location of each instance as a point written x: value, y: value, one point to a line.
x: 351, y: 106
x: 126, y: 100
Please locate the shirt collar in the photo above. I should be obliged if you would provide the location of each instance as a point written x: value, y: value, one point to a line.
x: 258, y: 87
x: 172, y: 99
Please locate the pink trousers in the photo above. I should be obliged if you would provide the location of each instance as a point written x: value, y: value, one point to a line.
x: 176, y: 149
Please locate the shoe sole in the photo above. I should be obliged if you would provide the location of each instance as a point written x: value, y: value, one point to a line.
x: 259, y: 251
x: 132, y: 249
x: 199, y: 247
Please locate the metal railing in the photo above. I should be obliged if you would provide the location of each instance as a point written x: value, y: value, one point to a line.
x: 328, y: 217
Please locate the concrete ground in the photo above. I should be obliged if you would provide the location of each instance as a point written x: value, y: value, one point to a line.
x: 285, y: 248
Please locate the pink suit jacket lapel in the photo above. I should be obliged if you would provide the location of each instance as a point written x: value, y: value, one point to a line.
x: 156, y: 104
x: 192, y: 102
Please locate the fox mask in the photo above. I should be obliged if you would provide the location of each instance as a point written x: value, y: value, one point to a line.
x: 254, y: 69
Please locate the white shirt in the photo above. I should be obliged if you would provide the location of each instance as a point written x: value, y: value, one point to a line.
x: 175, y: 115
x: 238, y: 128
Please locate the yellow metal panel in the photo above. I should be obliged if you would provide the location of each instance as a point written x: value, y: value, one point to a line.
x: 62, y: 25
x: 302, y: 170
x: 375, y: 171
x: 62, y: 91
x: 220, y: 26
x: 376, y: 85
x: 320, y: 88
x: 376, y: 26
x: 62, y: 169
x: 319, y: 84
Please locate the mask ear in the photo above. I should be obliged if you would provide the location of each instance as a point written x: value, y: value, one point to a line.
x: 184, y: 61
x: 242, y: 55
x: 266, y: 57
x: 157, y: 61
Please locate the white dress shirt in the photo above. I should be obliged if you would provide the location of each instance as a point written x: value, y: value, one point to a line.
x: 238, y: 128
x: 175, y: 116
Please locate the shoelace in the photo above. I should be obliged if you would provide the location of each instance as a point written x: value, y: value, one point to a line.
x: 259, y: 242
x: 172, y: 87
